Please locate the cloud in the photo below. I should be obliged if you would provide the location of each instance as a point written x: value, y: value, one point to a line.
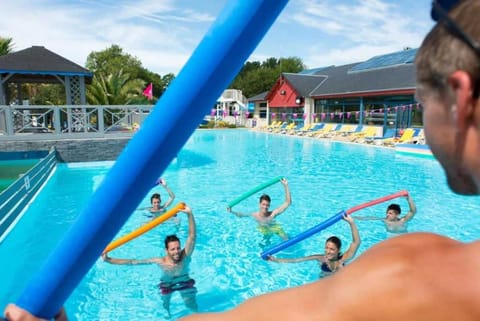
x: 352, y: 31
x: 162, y: 38
x: 163, y: 34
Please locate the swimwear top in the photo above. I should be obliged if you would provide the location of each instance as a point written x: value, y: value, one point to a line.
x: 325, y: 268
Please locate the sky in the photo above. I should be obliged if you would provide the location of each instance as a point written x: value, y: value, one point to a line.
x: 162, y: 34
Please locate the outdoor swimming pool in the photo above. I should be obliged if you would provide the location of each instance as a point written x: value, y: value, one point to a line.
x: 215, y: 167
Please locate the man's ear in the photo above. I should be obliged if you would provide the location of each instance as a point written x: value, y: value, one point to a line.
x: 462, y: 87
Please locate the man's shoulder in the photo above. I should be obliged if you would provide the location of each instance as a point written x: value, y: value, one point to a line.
x: 159, y: 260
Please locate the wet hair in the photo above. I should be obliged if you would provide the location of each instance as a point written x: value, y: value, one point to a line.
x: 171, y: 238
x: 154, y: 196
x: 265, y: 197
x: 394, y: 207
x: 338, y: 243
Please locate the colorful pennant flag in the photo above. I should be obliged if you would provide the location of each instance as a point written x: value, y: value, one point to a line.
x: 148, y: 92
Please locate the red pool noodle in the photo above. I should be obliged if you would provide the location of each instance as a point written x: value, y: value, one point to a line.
x: 377, y: 201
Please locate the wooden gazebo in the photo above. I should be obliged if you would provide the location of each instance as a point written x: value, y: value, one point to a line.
x: 40, y: 65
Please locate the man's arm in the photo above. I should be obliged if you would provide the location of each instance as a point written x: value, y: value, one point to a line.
x: 238, y: 214
x: 287, y: 202
x: 112, y: 260
x: 412, y: 211
x: 192, y: 231
x: 368, y: 218
x: 170, y: 194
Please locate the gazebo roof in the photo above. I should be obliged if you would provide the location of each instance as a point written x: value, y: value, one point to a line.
x: 38, y: 64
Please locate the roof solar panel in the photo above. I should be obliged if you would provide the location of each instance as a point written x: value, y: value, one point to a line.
x: 388, y: 60
x: 312, y: 71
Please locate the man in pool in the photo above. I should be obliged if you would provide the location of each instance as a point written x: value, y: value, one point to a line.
x: 392, y: 220
x: 265, y: 218
x: 175, y: 267
x: 413, y: 276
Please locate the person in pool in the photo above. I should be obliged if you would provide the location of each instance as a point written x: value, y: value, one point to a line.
x: 266, y: 218
x: 392, y: 220
x: 174, y: 265
x: 332, y: 260
x: 156, y: 199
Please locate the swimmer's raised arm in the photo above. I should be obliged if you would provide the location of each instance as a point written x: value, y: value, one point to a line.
x: 170, y: 193
x: 287, y: 202
x: 412, y: 209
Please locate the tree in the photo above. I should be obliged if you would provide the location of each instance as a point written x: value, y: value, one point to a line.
x: 115, y: 89
x: 256, y: 77
x: 6, y: 46
x: 110, y: 60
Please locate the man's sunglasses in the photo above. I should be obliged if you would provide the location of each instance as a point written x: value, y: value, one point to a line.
x: 440, y: 9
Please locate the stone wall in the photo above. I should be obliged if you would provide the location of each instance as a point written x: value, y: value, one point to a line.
x: 73, y: 150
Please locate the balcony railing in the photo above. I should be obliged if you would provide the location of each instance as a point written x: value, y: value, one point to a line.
x: 72, y: 121
x: 40, y: 122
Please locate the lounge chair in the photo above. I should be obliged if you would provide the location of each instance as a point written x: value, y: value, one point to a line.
x: 313, y: 128
x: 407, y: 136
x: 366, y: 132
x: 325, y: 129
x: 272, y: 125
x: 389, y: 133
x: 343, y: 131
x: 302, y: 129
x: 329, y: 133
x: 285, y: 129
x: 278, y: 128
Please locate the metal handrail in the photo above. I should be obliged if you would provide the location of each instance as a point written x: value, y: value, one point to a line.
x: 19, y: 122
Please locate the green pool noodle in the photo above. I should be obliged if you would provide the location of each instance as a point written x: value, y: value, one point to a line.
x: 253, y: 191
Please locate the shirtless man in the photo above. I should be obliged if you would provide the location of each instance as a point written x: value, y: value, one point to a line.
x: 393, y: 222
x: 175, y: 267
x: 414, y: 276
x: 266, y: 218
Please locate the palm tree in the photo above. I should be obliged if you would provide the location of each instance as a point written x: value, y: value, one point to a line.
x: 6, y: 46
x: 114, y: 89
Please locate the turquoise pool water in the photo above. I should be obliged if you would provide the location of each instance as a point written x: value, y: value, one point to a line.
x: 10, y: 170
x: 215, y: 167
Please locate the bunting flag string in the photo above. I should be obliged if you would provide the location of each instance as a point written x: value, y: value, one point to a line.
x: 349, y: 114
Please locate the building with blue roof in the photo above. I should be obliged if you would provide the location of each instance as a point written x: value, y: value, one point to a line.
x: 379, y: 91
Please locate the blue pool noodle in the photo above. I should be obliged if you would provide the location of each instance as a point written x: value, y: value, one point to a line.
x: 213, y: 65
x: 300, y: 237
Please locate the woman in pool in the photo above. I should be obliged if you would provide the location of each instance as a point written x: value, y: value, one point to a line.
x: 332, y: 261
x: 156, y: 199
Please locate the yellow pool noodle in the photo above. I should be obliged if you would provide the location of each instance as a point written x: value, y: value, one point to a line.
x: 144, y: 228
